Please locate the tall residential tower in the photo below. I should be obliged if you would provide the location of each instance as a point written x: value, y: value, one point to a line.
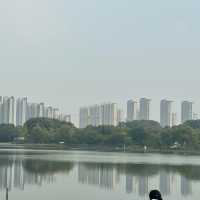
x: 132, y: 110
x: 186, y: 111
x: 21, y: 111
x: 145, y: 109
x: 166, y: 113
x: 106, y: 114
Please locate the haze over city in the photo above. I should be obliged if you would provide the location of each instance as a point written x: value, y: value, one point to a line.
x: 72, y: 54
x: 99, y: 99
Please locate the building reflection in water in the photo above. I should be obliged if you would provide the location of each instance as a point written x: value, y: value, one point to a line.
x: 14, y: 175
x: 143, y: 185
x: 18, y: 173
x: 165, y: 183
x: 97, y: 174
x: 129, y: 183
x: 136, y: 178
x: 132, y: 178
x: 186, y: 186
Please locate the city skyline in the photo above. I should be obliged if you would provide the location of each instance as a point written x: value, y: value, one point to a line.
x: 107, y: 114
x: 90, y: 90
x: 126, y: 112
x: 71, y: 60
x: 141, y: 109
x: 18, y: 111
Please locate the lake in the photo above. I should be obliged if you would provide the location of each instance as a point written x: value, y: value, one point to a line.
x: 78, y: 175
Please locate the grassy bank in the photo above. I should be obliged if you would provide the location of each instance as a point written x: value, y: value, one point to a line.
x: 130, y: 149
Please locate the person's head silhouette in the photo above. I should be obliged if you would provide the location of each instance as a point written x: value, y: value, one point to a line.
x: 155, y: 194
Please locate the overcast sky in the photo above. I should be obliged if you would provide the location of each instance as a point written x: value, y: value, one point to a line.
x: 75, y: 53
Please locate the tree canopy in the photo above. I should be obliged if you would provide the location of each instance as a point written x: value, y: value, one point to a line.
x: 139, y: 133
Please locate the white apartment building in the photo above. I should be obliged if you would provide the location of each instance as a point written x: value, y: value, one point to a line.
x: 132, y: 110
x: 49, y: 112
x: 119, y: 116
x: 41, y: 110
x: 174, y: 119
x: 104, y: 114
x: 165, y: 113
x: 84, y: 117
x: 8, y: 110
x: 109, y: 114
x: 186, y: 111
x: 11, y: 110
x: 21, y: 111
x: 144, y: 109
x: 95, y: 113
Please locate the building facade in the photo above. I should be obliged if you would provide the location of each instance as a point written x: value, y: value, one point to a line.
x: 119, y: 116
x: 132, y: 110
x: 165, y: 113
x: 106, y: 114
x: 186, y: 111
x: 21, y: 111
x: 144, y: 109
x: 174, y: 119
x: 83, y: 117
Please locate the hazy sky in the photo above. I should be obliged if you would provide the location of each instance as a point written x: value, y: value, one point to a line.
x: 74, y: 53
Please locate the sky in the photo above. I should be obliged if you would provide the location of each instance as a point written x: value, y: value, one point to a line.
x: 75, y: 53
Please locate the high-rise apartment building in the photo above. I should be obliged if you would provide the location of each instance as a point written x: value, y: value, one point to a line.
x: 32, y: 111
x: 109, y: 114
x: 28, y: 115
x: 84, y: 117
x: 21, y: 111
x: 41, y: 110
x: 1, y: 109
x: 25, y: 111
x: 48, y: 112
x: 11, y: 110
x: 186, y: 111
x: 132, y: 110
x: 174, y: 119
x: 144, y: 109
x: 5, y: 110
x: 55, y: 113
x: 119, y: 116
x: 95, y: 118
x: 105, y: 114
x: 8, y: 110
x: 165, y: 113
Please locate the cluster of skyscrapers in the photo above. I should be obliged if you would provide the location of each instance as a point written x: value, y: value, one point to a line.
x: 19, y: 111
x: 168, y: 118
x: 141, y: 110
x: 109, y: 114
x: 138, y: 110
x: 103, y: 114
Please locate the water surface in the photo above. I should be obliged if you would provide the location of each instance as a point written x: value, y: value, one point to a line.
x: 76, y: 175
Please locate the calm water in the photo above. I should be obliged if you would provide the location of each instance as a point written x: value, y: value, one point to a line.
x: 61, y: 175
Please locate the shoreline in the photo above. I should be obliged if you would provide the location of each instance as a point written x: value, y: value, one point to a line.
x: 97, y: 148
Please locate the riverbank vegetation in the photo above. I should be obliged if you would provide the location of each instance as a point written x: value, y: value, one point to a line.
x: 136, y: 133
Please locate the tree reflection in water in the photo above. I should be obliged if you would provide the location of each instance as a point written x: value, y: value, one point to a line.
x: 138, y: 177
x: 42, y: 167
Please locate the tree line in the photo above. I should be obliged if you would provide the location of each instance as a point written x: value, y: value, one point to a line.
x: 136, y: 133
